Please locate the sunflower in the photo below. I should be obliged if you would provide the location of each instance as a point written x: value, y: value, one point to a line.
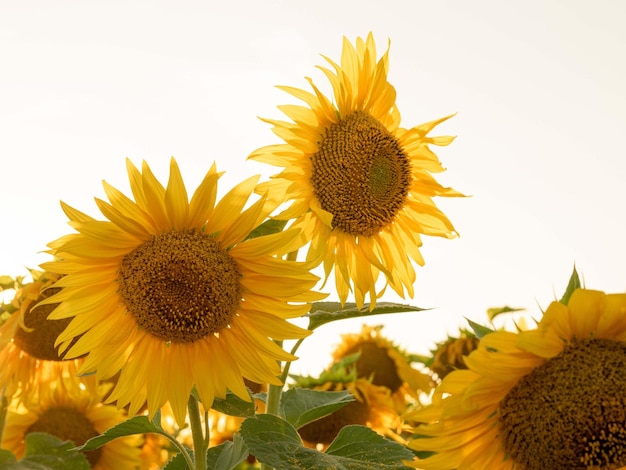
x: 385, y: 363
x: 372, y: 407
x: 449, y: 355
x: 70, y: 412
x: 550, y: 397
x: 172, y: 293
x: 27, y: 351
x: 361, y: 185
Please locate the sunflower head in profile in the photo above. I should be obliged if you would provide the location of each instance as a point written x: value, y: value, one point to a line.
x: 68, y: 411
x: 549, y: 397
x: 28, y: 353
x: 384, y: 363
x: 172, y: 293
x: 449, y: 355
x: 361, y: 186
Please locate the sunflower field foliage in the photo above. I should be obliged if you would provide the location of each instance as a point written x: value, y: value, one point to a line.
x: 160, y: 332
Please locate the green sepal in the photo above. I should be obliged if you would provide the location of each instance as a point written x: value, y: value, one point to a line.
x: 495, y: 311
x: 478, y: 329
x: 7, y: 282
x: 269, y: 227
x: 341, y: 371
x: 326, y: 312
x: 274, y: 442
x: 573, y: 284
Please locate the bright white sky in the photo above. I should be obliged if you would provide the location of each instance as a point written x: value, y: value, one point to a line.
x: 538, y: 87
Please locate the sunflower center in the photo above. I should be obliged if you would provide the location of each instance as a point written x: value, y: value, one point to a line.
x: 68, y: 424
x: 39, y: 343
x: 180, y: 286
x: 571, y: 411
x: 361, y: 174
x: 375, y: 362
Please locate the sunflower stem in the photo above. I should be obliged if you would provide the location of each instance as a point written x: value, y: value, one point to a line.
x: 4, y: 405
x: 200, y: 445
x: 285, y: 373
x: 274, y: 392
x: 207, y: 429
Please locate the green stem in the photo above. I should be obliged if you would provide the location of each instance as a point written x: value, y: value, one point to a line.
x: 182, y: 450
x: 4, y: 405
x: 285, y: 374
x: 199, y: 442
x: 274, y: 392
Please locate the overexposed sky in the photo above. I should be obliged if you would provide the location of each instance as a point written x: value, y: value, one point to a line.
x: 539, y: 88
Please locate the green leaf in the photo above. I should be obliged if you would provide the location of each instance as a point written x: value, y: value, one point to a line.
x: 326, y: 312
x: 6, y: 457
x: 45, y: 451
x: 135, y: 425
x: 275, y: 442
x: 360, y: 443
x: 228, y: 454
x: 178, y: 462
x: 232, y: 405
x: 300, y: 406
x: 573, y: 284
x: 268, y: 227
x: 495, y: 311
x: 479, y: 330
x: 268, y: 434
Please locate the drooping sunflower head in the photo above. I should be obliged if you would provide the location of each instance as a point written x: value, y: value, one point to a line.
x: 27, y: 339
x: 550, y: 397
x: 170, y: 292
x: 449, y: 355
x: 384, y: 363
x: 361, y: 186
x: 70, y: 412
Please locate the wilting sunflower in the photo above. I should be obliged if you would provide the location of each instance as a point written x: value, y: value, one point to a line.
x: 361, y: 185
x: 172, y: 293
x: 68, y: 411
x: 384, y: 363
x: 28, y: 355
x: 551, y: 397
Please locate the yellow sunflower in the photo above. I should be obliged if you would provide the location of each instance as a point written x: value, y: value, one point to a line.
x: 28, y: 354
x: 68, y: 411
x: 172, y: 293
x: 385, y: 364
x: 551, y: 397
x: 361, y: 185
